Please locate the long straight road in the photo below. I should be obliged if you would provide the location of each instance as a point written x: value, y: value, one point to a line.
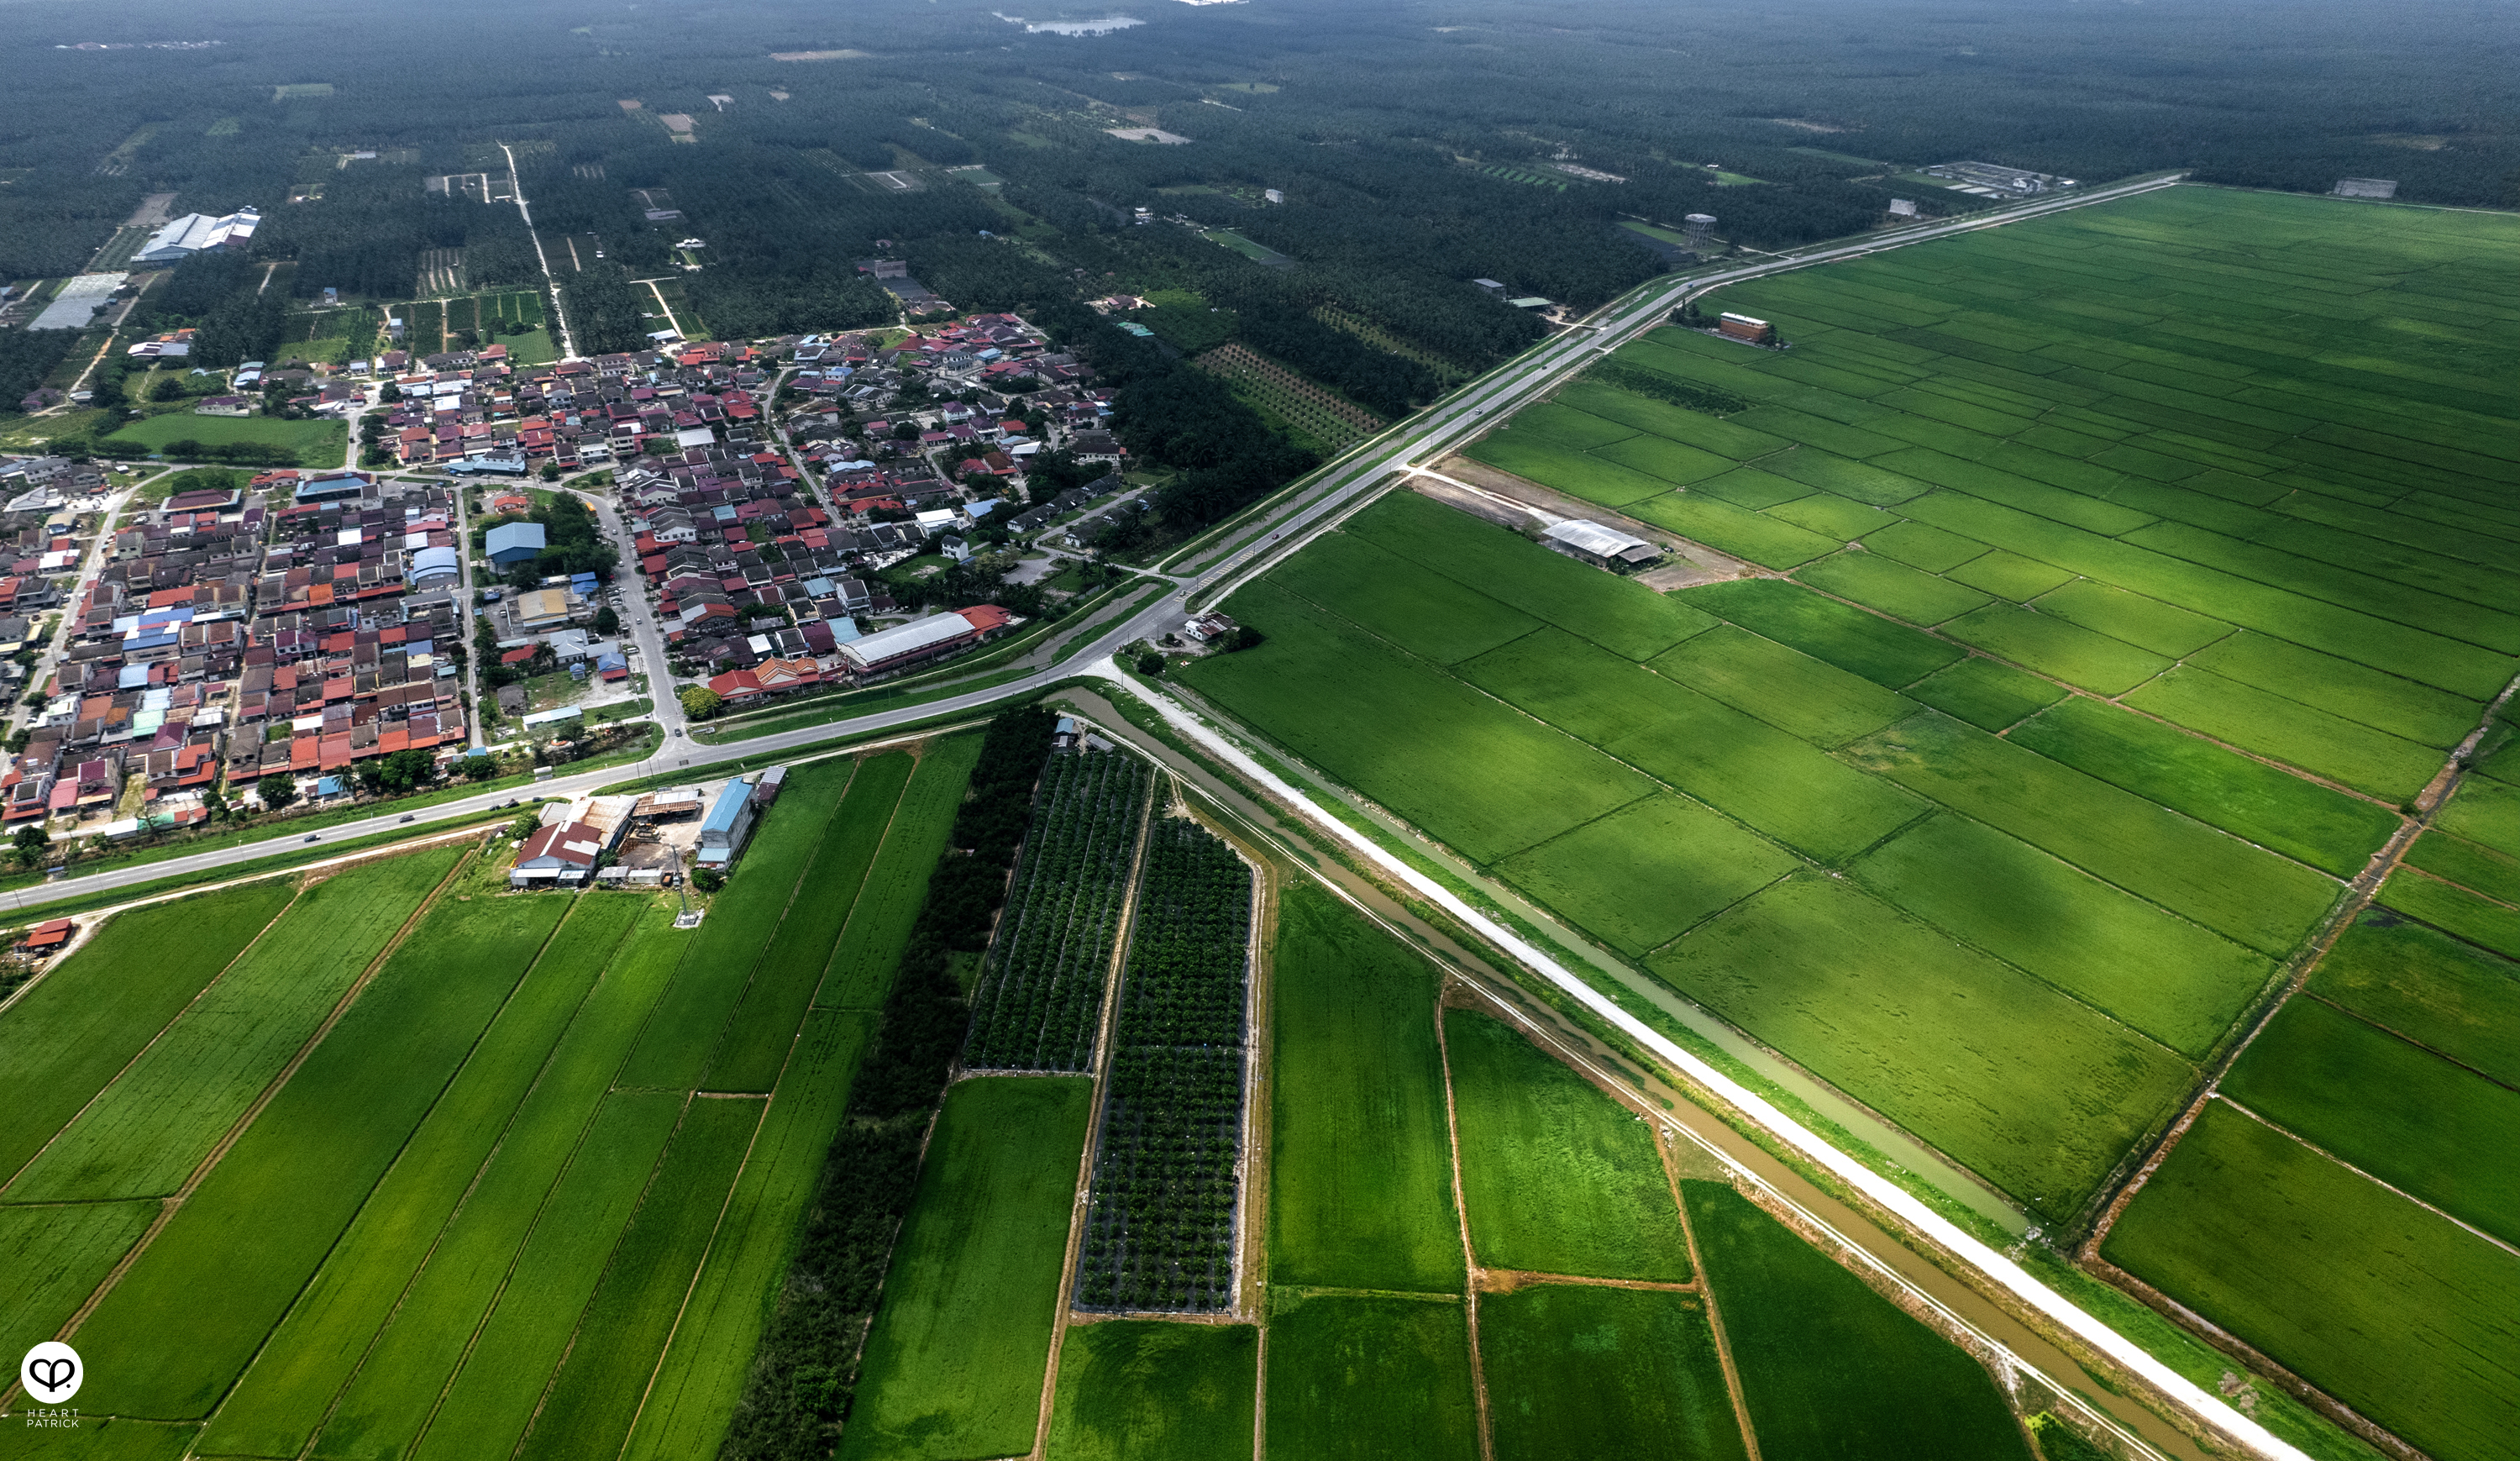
x: 1973, y: 1284
x: 1202, y: 575
x: 645, y: 632
x: 465, y: 607
x: 559, y: 309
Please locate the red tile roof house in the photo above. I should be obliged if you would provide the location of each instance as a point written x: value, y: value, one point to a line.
x: 769, y: 677
x: 562, y: 853
x: 46, y: 938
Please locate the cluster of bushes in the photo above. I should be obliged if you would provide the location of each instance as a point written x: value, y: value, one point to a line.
x: 26, y: 359
x: 205, y: 479
x: 804, y: 1373
x: 963, y: 892
x: 239, y: 453
x: 572, y: 543
x: 2058, y: 1441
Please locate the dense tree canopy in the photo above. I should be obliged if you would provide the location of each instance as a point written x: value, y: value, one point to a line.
x: 1411, y: 151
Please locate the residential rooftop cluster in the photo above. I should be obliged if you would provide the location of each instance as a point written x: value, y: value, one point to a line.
x: 573, y: 413
x: 287, y: 629
x: 300, y: 624
x: 761, y: 590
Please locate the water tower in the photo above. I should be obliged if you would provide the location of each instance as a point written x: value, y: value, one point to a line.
x: 1700, y: 226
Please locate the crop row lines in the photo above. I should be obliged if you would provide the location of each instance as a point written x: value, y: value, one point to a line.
x: 1040, y: 998
x: 1160, y: 1220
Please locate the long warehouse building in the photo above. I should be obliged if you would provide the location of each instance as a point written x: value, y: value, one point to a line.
x: 921, y: 639
x: 198, y: 233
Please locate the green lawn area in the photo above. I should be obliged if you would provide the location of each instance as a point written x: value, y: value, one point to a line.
x: 1135, y: 1388
x: 2397, y: 1312
x: 1575, y: 1372
x: 1559, y: 1179
x: 318, y: 444
x: 25, y: 432
x: 1828, y: 1367
x: 1354, y: 1377
x: 1256, y: 253
x: 533, y: 348
x: 1361, y: 1183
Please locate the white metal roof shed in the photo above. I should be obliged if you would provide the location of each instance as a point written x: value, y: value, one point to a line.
x: 906, y: 639
x: 1597, y: 541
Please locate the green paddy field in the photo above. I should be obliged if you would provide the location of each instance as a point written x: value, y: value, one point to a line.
x: 2114, y: 588
x: 1557, y: 1274
x: 491, y: 1173
x: 416, y: 1123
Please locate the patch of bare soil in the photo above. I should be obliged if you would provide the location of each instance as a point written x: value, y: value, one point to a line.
x: 1690, y: 562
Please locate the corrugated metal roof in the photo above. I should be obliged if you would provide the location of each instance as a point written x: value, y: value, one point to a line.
x: 1593, y: 537
x: 509, y: 535
x: 729, y: 805
x: 907, y: 639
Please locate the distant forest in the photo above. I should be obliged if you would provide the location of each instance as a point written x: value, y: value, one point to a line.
x: 1379, y: 123
x: 1416, y: 145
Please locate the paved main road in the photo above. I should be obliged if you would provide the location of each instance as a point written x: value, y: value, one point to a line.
x: 1423, y: 438
x: 1203, y: 576
x: 645, y: 632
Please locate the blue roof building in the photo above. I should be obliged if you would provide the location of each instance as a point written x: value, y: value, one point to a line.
x: 729, y: 823
x: 337, y: 488
x: 513, y: 543
x: 430, y: 567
